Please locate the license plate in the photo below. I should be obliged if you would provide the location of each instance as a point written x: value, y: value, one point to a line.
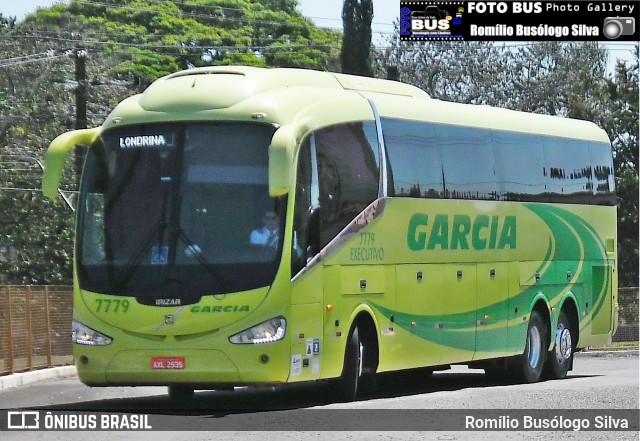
x: 167, y: 363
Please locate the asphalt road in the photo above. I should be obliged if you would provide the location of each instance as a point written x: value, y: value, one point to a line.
x: 596, y: 383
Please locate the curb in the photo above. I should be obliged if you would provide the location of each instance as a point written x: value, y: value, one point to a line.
x: 602, y: 354
x: 24, y: 378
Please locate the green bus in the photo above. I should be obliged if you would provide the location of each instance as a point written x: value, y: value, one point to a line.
x: 239, y: 226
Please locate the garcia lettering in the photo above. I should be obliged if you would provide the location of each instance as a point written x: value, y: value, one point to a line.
x: 460, y: 232
x: 219, y: 308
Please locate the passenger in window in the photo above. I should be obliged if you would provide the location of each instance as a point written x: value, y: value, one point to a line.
x: 269, y: 234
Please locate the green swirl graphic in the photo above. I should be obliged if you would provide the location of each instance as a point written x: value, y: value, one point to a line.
x: 574, y: 247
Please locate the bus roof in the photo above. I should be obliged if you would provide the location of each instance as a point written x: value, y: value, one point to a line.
x: 280, y: 95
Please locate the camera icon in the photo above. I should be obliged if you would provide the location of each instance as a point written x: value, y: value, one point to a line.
x: 614, y: 27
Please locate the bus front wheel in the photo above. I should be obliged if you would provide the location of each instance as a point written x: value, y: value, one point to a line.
x: 347, y: 384
x: 561, y: 356
x: 533, y: 359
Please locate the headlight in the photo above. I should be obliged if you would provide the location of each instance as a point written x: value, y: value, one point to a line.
x: 267, y: 332
x: 83, y: 335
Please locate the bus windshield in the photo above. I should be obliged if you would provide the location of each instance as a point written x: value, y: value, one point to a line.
x: 181, y: 208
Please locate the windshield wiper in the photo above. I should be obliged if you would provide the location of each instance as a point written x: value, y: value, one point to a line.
x: 133, y: 263
x: 197, y: 253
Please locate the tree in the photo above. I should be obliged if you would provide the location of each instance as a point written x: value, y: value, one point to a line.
x: 469, y: 72
x: 356, y: 39
x: 622, y: 95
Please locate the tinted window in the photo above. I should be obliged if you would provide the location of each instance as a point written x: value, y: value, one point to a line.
x: 303, y: 209
x: 413, y: 155
x: 348, y: 175
x: 170, y: 211
x: 442, y: 161
x: 568, y: 171
x: 337, y: 177
x: 520, y: 166
x: 603, y: 181
x: 467, y: 162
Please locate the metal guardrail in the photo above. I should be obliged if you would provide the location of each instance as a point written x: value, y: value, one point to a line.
x: 627, y: 315
x: 35, y: 325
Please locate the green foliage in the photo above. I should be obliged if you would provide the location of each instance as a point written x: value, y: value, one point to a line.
x: 622, y: 94
x: 158, y: 37
x: 356, y: 40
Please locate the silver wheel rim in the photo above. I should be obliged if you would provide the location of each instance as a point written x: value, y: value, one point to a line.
x: 535, y: 347
x: 563, y: 343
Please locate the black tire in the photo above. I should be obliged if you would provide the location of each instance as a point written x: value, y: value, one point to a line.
x: 346, y: 387
x: 532, y: 360
x: 180, y: 393
x: 560, y: 358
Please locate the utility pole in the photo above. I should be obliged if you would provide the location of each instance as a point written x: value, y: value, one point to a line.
x: 80, y: 56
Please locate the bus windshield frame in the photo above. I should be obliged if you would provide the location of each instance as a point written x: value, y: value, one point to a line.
x: 171, y: 210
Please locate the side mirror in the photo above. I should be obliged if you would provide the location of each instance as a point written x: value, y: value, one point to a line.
x: 56, y: 155
x: 280, y: 157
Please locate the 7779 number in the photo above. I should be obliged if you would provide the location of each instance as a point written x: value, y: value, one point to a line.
x: 109, y: 305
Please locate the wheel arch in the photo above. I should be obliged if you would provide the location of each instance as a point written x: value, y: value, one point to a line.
x: 569, y: 305
x: 368, y: 330
x: 540, y: 303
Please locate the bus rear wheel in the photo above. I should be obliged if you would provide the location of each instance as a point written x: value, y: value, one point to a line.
x: 532, y: 360
x: 560, y: 359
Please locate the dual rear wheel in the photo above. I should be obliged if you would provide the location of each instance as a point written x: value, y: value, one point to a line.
x: 560, y: 358
x: 535, y: 362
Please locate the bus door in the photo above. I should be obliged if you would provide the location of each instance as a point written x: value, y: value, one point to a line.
x: 307, y: 278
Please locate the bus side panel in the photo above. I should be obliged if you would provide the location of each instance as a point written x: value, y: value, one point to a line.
x: 336, y: 326
x: 492, y: 314
x: 347, y: 289
x: 459, y: 312
x: 598, y: 314
x: 601, y: 299
x: 307, y: 345
x: 419, y: 289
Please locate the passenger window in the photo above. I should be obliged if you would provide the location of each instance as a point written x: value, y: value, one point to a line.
x: 520, y: 166
x: 415, y: 163
x: 603, y: 180
x: 302, y: 210
x: 467, y: 162
x: 348, y: 175
x: 568, y: 172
